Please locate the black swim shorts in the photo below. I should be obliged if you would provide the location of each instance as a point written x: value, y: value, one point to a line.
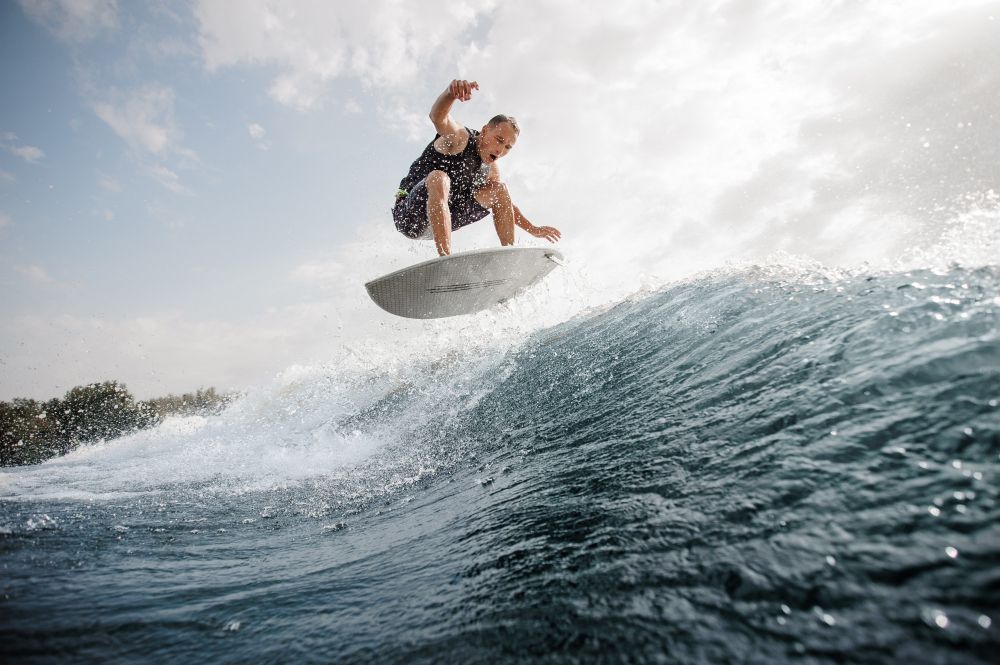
x: 410, y: 211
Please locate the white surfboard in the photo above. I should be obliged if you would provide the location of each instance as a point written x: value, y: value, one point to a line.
x: 462, y: 283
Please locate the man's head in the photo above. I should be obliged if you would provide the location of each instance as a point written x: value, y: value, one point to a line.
x: 498, y: 138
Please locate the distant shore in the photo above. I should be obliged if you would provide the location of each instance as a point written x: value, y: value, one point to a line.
x: 33, y: 431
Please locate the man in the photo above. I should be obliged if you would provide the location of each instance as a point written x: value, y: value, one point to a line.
x: 455, y: 181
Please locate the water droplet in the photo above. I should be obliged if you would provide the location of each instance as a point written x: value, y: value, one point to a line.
x: 782, y: 621
x: 785, y: 609
x: 934, y: 510
x: 960, y: 509
x: 985, y: 621
x: 934, y: 617
x: 956, y: 464
x: 951, y: 552
x: 828, y: 619
x: 831, y: 561
x: 959, y: 496
x: 967, y: 431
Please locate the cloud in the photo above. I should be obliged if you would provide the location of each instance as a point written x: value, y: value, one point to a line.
x: 168, y: 179
x: 28, y: 153
x: 142, y: 118
x: 312, y: 42
x: 320, y: 273
x: 7, y: 176
x: 34, y: 274
x: 110, y: 184
x: 257, y: 133
x: 670, y: 137
x: 73, y: 20
x: 155, y: 353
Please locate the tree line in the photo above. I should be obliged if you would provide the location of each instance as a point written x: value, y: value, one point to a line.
x: 33, y: 431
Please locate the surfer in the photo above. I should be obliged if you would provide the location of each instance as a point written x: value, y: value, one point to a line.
x: 455, y: 181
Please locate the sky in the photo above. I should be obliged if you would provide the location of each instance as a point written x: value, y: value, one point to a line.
x: 193, y: 193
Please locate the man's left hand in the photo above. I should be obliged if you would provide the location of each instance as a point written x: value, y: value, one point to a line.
x: 550, y: 233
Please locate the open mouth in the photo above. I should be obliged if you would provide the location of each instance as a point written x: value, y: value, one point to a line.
x: 493, y: 157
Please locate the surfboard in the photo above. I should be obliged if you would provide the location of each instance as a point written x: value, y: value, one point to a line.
x: 462, y: 283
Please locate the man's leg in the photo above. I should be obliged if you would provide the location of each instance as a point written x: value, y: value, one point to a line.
x: 438, y: 214
x: 494, y: 195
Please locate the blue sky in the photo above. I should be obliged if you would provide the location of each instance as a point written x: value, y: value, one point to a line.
x: 193, y: 193
x: 99, y: 213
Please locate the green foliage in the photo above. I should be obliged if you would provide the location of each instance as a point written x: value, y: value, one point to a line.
x: 201, y: 401
x: 32, y: 431
x: 26, y: 434
x: 101, y: 411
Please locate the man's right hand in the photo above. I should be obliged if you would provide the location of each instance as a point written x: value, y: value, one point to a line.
x: 462, y: 90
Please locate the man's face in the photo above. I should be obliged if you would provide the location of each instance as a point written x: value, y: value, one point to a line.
x: 495, y: 142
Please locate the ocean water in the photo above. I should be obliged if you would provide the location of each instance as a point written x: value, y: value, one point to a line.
x: 754, y: 465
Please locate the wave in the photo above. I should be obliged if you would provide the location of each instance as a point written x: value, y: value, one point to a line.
x: 759, y: 460
x: 767, y: 333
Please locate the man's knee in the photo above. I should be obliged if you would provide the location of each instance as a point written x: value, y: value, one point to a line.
x: 438, y: 183
x: 493, y: 193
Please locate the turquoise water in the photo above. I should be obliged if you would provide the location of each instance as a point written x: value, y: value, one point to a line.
x: 754, y: 465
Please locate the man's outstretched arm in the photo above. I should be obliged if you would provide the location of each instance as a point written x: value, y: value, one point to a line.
x: 550, y: 233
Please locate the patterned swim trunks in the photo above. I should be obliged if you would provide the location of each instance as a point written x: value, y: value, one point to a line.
x: 410, y: 211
